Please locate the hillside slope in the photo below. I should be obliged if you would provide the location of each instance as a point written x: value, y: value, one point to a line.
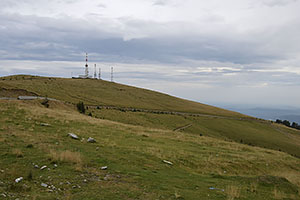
x: 142, y: 163
x: 135, y: 106
x: 99, y: 92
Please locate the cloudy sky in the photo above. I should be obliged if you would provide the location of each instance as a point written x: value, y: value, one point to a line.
x: 216, y: 52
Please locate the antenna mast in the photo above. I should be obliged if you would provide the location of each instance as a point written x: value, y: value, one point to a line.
x: 86, y: 66
x: 95, y: 73
x: 112, y: 74
x: 99, y: 73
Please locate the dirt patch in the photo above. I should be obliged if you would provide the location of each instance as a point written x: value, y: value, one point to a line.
x: 14, y: 93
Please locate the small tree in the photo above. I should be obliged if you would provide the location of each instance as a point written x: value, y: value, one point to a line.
x: 286, y: 122
x: 80, y: 107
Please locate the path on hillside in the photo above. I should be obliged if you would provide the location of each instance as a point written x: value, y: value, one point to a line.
x: 182, y: 127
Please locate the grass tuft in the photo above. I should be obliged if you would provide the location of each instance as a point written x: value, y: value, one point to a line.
x: 232, y: 192
x: 18, y: 153
x: 66, y: 156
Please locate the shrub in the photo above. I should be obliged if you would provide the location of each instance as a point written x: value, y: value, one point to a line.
x: 80, y: 107
x: 45, y: 103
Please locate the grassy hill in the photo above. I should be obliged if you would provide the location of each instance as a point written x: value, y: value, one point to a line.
x: 195, y: 117
x: 99, y: 92
x: 34, y: 145
x: 155, y: 146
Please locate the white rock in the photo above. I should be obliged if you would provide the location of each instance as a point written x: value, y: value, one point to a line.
x: 73, y: 136
x: 45, y: 124
x: 168, y: 162
x: 91, y: 140
x: 19, y: 179
x: 44, y: 185
x: 104, y: 168
x: 55, y: 165
x: 44, y: 167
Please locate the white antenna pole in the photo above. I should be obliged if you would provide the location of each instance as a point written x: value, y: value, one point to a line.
x: 99, y: 73
x: 95, y: 73
x: 112, y: 74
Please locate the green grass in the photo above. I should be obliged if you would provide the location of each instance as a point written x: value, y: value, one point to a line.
x: 99, y: 92
x: 217, y: 150
x: 252, y: 132
x: 229, y: 125
x: 134, y: 157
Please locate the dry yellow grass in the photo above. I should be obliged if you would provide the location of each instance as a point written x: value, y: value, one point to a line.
x: 17, y: 152
x: 66, y: 156
x: 278, y: 194
x: 232, y: 192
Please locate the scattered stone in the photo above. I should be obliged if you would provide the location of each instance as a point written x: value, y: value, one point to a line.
x: 168, y: 162
x: 73, y: 136
x: 85, y: 180
x: 19, y: 179
x: 55, y: 165
x: 91, y: 140
x: 104, y: 168
x: 4, y: 195
x: 45, y: 124
x: 97, y: 148
x: 44, y: 167
x: 36, y: 166
x: 2, y: 171
x: 44, y: 185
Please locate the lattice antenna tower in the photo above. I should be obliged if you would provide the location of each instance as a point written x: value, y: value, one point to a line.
x: 86, y: 66
x: 95, y: 73
x: 112, y: 75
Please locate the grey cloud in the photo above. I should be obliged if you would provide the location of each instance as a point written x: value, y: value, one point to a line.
x: 273, y: 3
x: 41, y: 38
x: 160, y: 2
x: 101, y: 5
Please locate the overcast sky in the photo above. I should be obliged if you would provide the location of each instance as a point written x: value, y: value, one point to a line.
x: 216, y: 52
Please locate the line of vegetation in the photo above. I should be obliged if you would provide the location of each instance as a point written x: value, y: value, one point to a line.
x: 288, y: 124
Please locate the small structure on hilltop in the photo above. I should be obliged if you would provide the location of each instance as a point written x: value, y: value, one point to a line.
x: 86, y: 75
x: 94, y: 76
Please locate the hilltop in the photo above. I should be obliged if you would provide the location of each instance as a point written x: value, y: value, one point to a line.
x: 145, y: 147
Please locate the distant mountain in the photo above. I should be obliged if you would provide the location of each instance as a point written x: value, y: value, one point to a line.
x: 289, y: 113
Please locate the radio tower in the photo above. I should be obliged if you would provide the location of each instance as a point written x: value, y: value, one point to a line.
x: 86, y: 66
x: 112, y: 74
x: 99, y: 73
x: 95, y: 73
